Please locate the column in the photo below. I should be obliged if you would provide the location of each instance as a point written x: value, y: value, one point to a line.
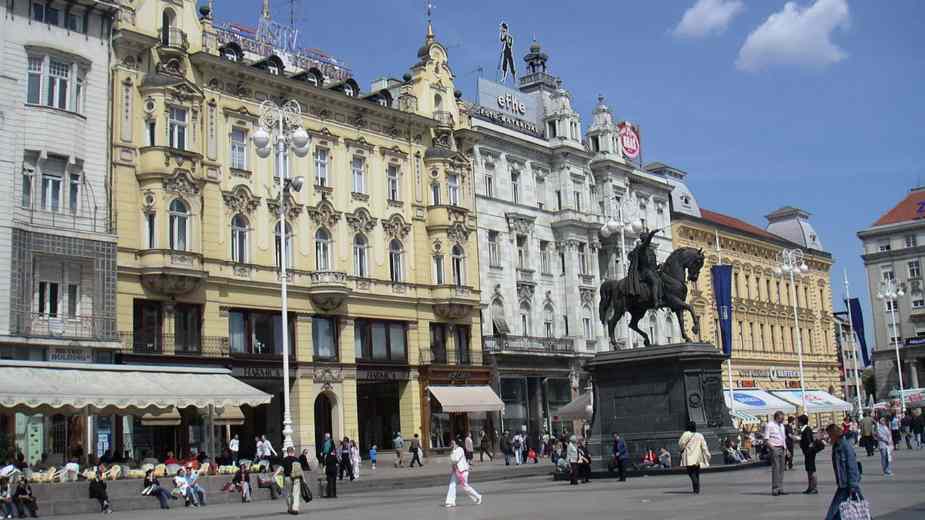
x: 409, y: 407
x: 913, y: 374
x: 303, y: 339
x: 168, y: 346
x: 302, y: 406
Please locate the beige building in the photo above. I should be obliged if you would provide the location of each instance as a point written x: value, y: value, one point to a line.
x: 383, y: 273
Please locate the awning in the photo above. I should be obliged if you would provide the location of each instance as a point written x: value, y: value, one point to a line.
x: 107, y: 389
x: 500, y: 325
x: 744, y: 418
x: 577, y: 409
x: 915, y: 397
x: 168, y: 417
x: 817, y: 401
x: 228, y: 416
x: 456, y: 399
x: 758, y: 402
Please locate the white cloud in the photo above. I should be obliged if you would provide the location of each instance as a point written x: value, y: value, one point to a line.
x: 708, y: 17
x: 797, y: 35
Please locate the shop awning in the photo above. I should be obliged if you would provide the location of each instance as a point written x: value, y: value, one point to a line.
x: 107, y: 389
x: 758, y: 402
x: 915, y: 397
x: 500, y: 325
x: 744, y: 418
x: 226, y: 416
x: 455, y: 399
x: 577, y: 409
x: 168, y: 417
x: 817, y: 401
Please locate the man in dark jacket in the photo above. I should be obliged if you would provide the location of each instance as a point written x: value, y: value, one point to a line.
x: 810, y: 447
x: 507, y: 447
x: 620, y: 455
x: 330, y: 471
x: 845, y: 465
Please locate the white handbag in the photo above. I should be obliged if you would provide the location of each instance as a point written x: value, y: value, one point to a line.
x: 855, y: 508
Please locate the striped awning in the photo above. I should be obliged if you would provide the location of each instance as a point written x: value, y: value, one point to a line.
x: 745, y: 418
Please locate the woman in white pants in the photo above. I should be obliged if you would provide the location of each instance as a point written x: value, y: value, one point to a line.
x: 459, y: 473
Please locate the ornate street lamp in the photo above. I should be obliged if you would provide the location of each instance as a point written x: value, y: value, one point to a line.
x: 284, y: 125
x: 890, y: 292
x: 624, y: 220
x: 792, y: 264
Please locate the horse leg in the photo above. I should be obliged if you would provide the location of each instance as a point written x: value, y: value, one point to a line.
x: 696, y: 327
x: 619, y: 309
x: 679, y: 313
x: 634, y: 324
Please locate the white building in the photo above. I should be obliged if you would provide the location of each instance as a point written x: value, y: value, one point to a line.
x: 58, y: 266
x: 542, y: 194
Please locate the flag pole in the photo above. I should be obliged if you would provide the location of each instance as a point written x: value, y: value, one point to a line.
x: 854, y: 343
x: 732, y: 400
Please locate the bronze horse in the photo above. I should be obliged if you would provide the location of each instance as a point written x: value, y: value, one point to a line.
x: 687, y: 260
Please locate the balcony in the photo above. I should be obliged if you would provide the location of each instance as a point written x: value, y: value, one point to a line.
x: 171, y: 273
x: 444, y: 119
x: 541, y: 78
x: 917, y: 314
x: 450, y: 357
x: 163, y: 161
x: 441, y: 217
x: 160, y: 344
x: 60, y: 327
x: 59, y: 210
x: 525, y: 276
x: 328, y: 289
x: 173, y: 38
x: 454, y: 302
x: 528, y: 345
x: 582, y: 219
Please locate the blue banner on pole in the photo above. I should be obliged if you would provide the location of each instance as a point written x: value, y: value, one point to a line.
x: 722, y: 294
x: 857, y: 322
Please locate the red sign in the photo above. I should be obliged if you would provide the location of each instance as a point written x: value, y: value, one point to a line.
x: 747, y: 383
x: 629, y: 140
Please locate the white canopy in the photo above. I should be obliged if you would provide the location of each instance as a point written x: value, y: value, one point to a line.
x: 455, y: 399
x: 577, y: 409
x: 757, y: 402
x: 105, y: 389
x: 817, y: 401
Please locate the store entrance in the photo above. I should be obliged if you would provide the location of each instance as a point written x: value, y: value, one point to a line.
x: 378, y: 414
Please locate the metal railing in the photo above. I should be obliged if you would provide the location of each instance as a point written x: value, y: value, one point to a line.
x: 539, y: 77
x: 527, y: 345
x: 443, y: 118
x: 173, y: 37
x: 34, y: 208
x: 450, y: 357
x: 67, y: 327
x: 156, y: 344
x: 327, y: 278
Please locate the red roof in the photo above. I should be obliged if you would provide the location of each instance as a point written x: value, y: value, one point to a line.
x: 910, y: 208
x: 734, y: 223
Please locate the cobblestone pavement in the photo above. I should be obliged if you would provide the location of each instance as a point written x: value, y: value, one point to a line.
x: 731, y: 495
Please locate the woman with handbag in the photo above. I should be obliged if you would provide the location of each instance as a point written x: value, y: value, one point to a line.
x: 694, y: 454
x: 848, y: 502
x: 152, y: 488
x: 295, y: 482
x: 459, y: 473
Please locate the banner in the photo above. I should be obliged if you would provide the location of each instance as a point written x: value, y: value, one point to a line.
x: 722, y: 294
x: 857, y: 321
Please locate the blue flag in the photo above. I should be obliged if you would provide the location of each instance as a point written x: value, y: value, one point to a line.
x: 857, y: 322
x: 722, y: 294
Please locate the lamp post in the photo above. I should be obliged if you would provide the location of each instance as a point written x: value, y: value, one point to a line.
x: 792, y: 263
x: 284, y: 125
x: 890, y: 292
x: 624, y: 220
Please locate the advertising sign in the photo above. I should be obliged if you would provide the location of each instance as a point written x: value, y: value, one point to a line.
x: 629, y: 139
x: 509, y: 108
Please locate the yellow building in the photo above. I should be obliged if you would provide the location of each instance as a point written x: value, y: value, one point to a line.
x: 383, y: 274
x: 764, y: 352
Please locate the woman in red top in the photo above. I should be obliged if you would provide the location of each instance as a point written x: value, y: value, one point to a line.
x: 170, y: 458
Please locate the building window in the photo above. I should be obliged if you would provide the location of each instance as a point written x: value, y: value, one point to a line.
x: 393, y: 186
x: 176, y: 129
x: 73, y: 300
x: 321, y: 167
x: 259, y: 332
x: 187, y: 327
x: 748, y: 287
x: 57, y: 87
x: 558, y: 200
x: 911, y: 241
x: 438, y: 343
x: 890, y: 305
x: 379, y: 340
x: 179, y: 225
x: 589, y: 330
x: 435, y: 194
x: 462, y: 345
x: 562, y: 263
x: 884, y: 246
x: 438, y: 270
x: 524, y: 319
x: 151, y: 134
x: 42, y: 12
x: 324, y: 337
x: 522, y: 260
x: 239, y: 239
x: 453, y: 189
x: 540, y: 193
x: 48, y: 299
x: 395, y: 260
x: 582, y: 259
x: 545, y: 263
x: 322, y: 250
x: 151, y: 230
x: 918, y: 302
x: 515, y: 187
x: 73, y: 196
x: 459, y: 266
x: 887, y: 274
x: 279, y: 245
x: 358, y: 165
x: 494, y: 252
x: 238, y: 149
x: 360, y: 264
x: 565, y: 323
x: 551, y: 129
x: 489, y: 186
x: 577, y: 200
x: 34, y: 82
x: 548, y: 323
x: 51, y: 192
x: 915, y: 269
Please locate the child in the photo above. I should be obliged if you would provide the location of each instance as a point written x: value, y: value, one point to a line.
x: 372, y: 456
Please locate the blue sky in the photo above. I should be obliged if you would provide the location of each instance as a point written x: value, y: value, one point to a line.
x: 815, y: 103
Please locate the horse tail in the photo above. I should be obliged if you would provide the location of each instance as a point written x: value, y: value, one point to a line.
x: 605, y: 301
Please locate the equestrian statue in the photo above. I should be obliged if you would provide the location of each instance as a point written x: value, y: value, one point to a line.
x: 649, y: 286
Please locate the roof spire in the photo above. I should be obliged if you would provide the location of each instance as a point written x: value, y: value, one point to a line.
x: 266, y: 9
x: 430, y: 28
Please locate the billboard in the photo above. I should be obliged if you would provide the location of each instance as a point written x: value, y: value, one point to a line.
x: 509, y: 108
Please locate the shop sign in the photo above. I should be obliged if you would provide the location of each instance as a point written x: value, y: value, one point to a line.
x: 70, y: 355
x: 629, y: 140
x: 257, y: 372
x: 755, y: 373
x: 502, y: 119
x: 773, y: 373
x: 783, y: 373
x: 383, y: 374
x: 747, y: 383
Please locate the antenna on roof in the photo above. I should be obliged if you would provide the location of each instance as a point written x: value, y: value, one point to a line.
x: 292, y: 12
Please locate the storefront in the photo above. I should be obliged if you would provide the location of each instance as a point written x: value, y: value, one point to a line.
x: 379, y: 391
x: 534, y: 402
x: 455, y: 401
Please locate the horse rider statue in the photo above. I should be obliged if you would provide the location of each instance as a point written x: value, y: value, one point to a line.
x: 643, y: 270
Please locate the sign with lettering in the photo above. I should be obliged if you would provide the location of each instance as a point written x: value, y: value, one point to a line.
x: 257, y: 372
x: 383, y: 374
x: 629, y: 139
x: 509, y: 108
x: 70, y: 355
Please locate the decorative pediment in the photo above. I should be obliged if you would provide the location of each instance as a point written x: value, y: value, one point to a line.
x: 327, y: 377
x: 394, y: 151
x: 360, y: 143
x: 525, y: 293
x: 361, y: 221
x: 396, y: 226
x: 324, y: 134
x: 520, y: 224
x: 183, y: 183
x: 293, y: 208
x: 324, y: 214
x: 241, y: 200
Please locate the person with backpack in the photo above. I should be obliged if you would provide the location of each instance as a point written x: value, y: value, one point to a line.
x: 518, y: 449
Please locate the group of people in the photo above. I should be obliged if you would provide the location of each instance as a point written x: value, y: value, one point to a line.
x: 16, y: 494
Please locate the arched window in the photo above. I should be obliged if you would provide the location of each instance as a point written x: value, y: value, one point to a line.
x: 288, y: 244
x: 231, y: 52
x: 669, y: 330
x: 168, y: 21
x: 524, y: 319
x: 549, y: 326
x: 239, y: 239
x: 360, y: 267
x: 459, y: 266
x: 438, y: 102
x: 179, y: 225
x: 322, y: 250
x: 395, y: 260
x: 588, y: 322
x: 435, y: 194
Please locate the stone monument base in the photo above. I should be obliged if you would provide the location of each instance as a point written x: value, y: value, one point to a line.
x: 649, y: 394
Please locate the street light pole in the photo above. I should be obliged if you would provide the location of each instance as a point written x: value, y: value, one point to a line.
x: 890, y: 292
x: 286, y: 121
x: 792, y: 262
x: 620, y: 225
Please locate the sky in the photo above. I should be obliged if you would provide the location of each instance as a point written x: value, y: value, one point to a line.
x: 813, y: 103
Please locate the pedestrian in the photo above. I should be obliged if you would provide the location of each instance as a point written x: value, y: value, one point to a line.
x: 234, y: 446
x: 152, y: 488
x: 292, y: 472
x: 584, y: 462
x: 398, y: 443
x: 847, y: 476
x: 694, y: 454
x: 791, y: 435
x: 775, y: 437
x: 867, y: 434
x: 507, y: 447
x: 355, y: 459
x: 485, y: 447
x: 330, y: 472
x: 459, y: 474
x: 544, y: 447
x: 884, y: 437
x: 906, y: 425
x: 571, y: 456
x: 810, y: 446
x: 416, y: 451
x: 345, y: 465
x: 242, y: 482
x: 469, y: 447
x: 303, y: 460
x: 6, y: 498
x: 268, y: 450
x: 518, y: 449
x: 619, y: 455
x: 23, y: 498
x: 918, y: 429
x: 895, y: 432
x: 98, y: 491
x: 372, y: 457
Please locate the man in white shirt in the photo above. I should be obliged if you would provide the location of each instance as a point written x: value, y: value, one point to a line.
x: 234, y: 446
x: 884, y: 436
x: 459, y: 472
x: 776, y: 437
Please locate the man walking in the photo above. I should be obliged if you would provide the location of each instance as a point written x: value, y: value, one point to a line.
x: 571, y: 456
x: 884, y: 437
x: 620, y: 455
x: 459, y: 473
x: 485, y: 447
x: 415, y: 451
x: 506, y: 447
x: 918, y: 430
x: 469, y: 447
x: 790, y: 432
x: 776, y: 436
x: 810, y: 447
x: 399, y: 444
x: 518, y: 449
x: 845, y: 467
x: 867, y: 434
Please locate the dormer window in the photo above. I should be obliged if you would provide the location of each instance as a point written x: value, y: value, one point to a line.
x: 273, y: 69
x: 349, y: 90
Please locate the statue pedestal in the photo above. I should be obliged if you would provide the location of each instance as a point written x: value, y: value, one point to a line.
x: 649, y: 394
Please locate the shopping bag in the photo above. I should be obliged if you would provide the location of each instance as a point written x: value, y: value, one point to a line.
x: 855, y: 508
x: 306, y: 491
